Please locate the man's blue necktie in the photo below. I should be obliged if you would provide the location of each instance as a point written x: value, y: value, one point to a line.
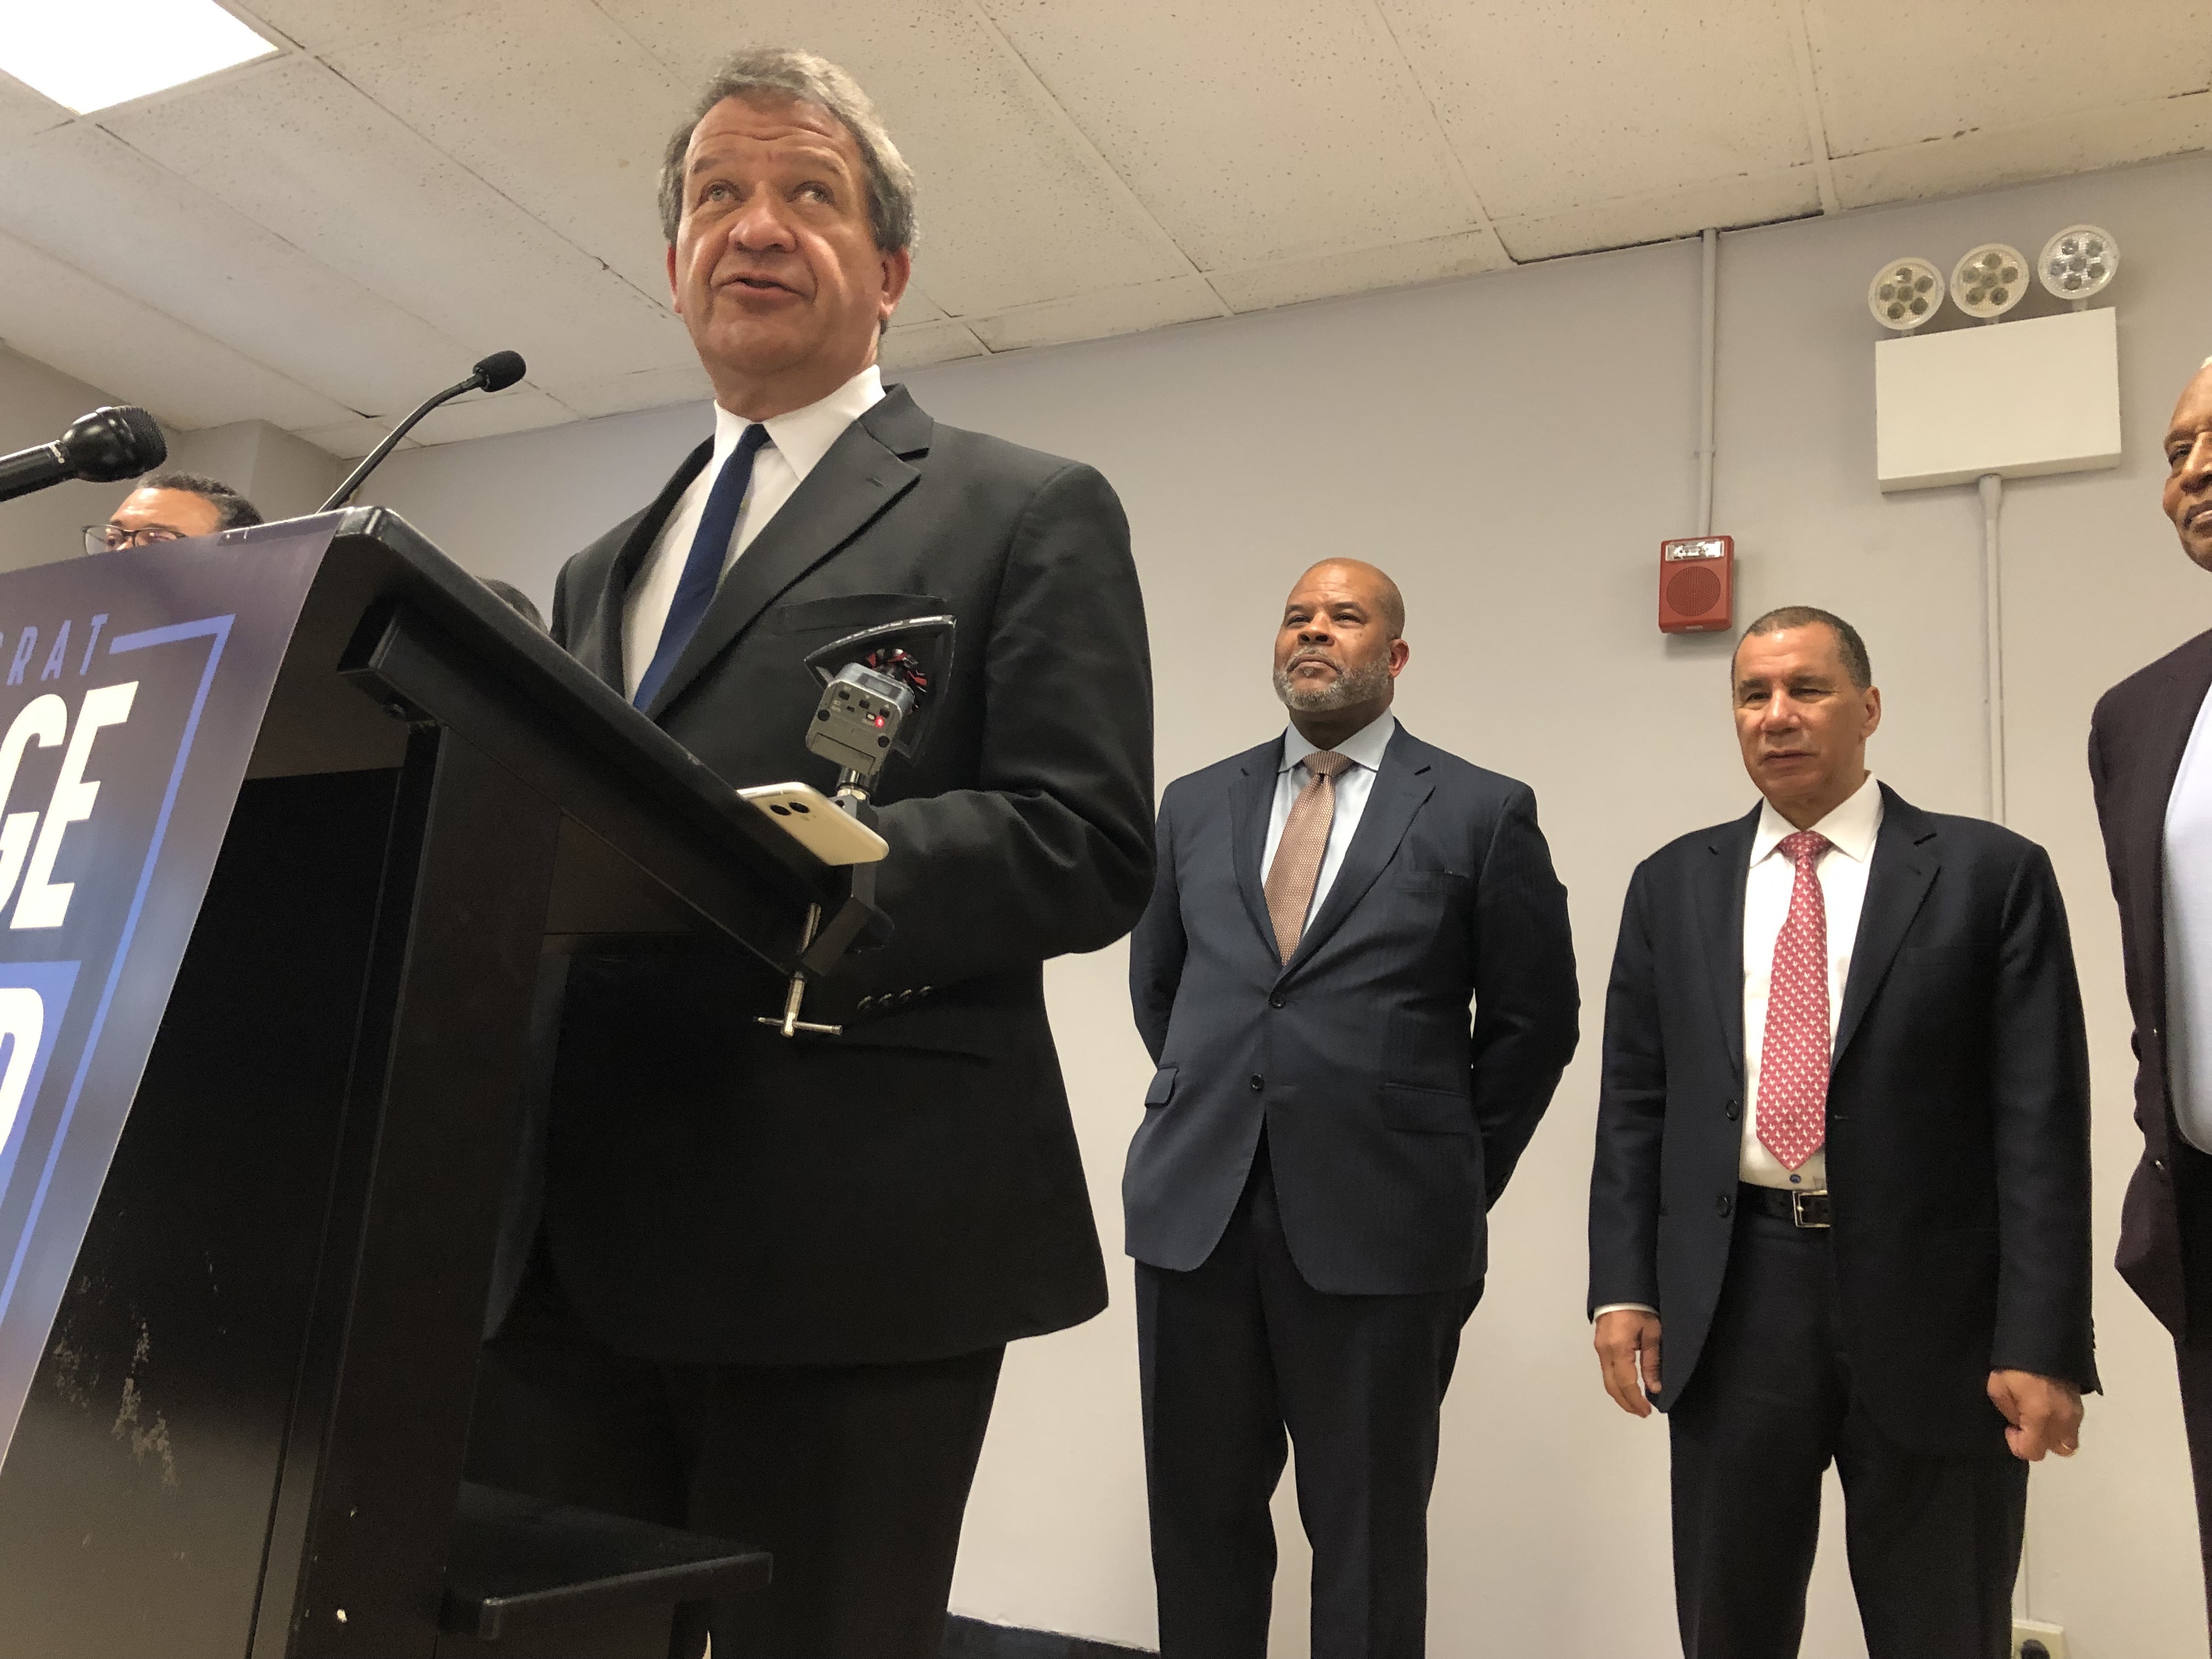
x: 702, y: 570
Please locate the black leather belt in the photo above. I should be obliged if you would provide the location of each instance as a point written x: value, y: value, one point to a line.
x: 1807, y: 1210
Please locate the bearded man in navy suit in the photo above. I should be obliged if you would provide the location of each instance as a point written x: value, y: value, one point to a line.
x: 1327, y: 1128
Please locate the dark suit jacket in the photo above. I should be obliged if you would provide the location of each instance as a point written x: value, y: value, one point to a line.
x: 718, y: 1193
x: 1958, y: 1118
x: 1393, y: 1123
x: 2136, y: 738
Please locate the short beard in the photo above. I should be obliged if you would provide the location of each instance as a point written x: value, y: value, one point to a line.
x: 1351, y: 686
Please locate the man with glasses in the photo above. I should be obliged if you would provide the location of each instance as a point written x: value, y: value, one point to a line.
x: 168, y: 507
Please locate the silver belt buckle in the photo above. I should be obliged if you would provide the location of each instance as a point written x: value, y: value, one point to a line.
x: 1797, y: 1208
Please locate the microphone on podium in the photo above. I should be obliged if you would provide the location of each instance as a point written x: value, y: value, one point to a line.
x: 495, y: 373
x: 108, y: 445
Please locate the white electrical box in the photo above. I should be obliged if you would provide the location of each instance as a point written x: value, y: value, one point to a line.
x: 2013, y: 398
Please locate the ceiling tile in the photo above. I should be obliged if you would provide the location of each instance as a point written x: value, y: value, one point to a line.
x: 1887, y: 79
x: 1726, y: 205
x: 351, y: 438
x: 320, y: 25
x: 519, y: 409
x: 550, y: 104
x: 1095, y: 316
x: 1258, y: 287
x: 1015, y: 207
x: 1252, y: 134
x: 315, y: 161
x: 916, y: 306
x: 2075, y: 142
x: 927, y: 343
x: 646, y: 388
x: 72, y: 322
x: 1556, y: 104
x: 94, y: 204
x: 23, y: 112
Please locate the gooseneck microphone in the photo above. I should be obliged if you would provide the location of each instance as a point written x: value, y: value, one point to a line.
x: 108, y: 445
x: 495, y: 373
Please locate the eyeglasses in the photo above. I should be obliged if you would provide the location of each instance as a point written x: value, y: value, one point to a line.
x: 113, y: 538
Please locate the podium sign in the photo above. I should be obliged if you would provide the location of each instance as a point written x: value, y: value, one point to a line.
x: 134, y: 688
x: 290, y: 819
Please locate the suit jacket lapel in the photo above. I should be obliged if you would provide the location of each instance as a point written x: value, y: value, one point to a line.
x: 865, y: 472
x: 2165, y: 740
x: 1720, y: 937
x: 599, y: 647
x: 1907, y: 856
x: 1251, y: 795
x: 1402, y: 785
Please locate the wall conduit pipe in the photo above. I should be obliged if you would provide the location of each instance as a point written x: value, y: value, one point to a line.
x: 1991, y: 486
x: 1708, y: 352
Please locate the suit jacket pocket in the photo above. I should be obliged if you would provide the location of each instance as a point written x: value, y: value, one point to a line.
x: 847, y: 613
x: 1433, y: 881
x: 1163, y: 1087
x: 1427, y: 1111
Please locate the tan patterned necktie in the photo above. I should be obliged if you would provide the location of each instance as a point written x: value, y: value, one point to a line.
x: 1299, y: 855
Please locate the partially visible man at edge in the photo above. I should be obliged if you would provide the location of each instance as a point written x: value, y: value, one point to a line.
x: 2150, y: 760
x: 170, y: 507
x: 775, y: 1278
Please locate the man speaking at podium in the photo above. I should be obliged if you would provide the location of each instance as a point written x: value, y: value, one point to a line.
x: 776, y: 1276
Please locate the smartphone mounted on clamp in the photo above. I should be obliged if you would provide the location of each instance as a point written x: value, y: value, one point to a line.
x: 878, y: 688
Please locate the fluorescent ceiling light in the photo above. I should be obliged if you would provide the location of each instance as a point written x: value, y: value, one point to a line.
x: 88, y: 56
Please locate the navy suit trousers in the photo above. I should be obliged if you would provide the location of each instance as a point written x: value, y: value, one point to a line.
x: 1236, y: 1354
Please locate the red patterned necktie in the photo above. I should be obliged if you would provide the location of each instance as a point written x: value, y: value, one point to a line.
x: 1793, y: 1056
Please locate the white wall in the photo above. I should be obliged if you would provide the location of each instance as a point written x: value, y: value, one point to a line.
x: 1513, y: 447
x: 36, y: 403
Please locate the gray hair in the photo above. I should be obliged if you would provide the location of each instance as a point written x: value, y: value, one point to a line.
x: 780, y: 72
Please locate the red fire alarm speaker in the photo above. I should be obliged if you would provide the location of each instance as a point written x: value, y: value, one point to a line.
x: 1696, y: 585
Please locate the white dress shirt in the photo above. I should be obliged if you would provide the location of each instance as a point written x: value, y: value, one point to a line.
x: 1842, y: 873
x: 2188, y: 884
x: 797, y: 442
x: 1364, y: 749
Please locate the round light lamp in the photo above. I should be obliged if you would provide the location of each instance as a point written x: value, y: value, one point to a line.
x: 1905, y: 293
x: 2079, y: 261
x: 1990, y: 281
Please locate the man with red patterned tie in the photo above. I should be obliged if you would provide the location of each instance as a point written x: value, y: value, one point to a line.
x: 1842, y: 1165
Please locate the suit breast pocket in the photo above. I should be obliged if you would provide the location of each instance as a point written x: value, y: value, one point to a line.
x: 848, y: 613
x: 1447, y: 882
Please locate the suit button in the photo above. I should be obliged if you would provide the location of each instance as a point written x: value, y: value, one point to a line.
x: 1277, y: 1002
x: 1724, y: 1203
x: 2159, y: 1164
x: 1258, y: 1083
x: 1734, y: 1109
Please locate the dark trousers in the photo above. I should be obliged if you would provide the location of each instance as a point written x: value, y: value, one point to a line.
x: 1234, y: 1354
x: 854, y: 1477
x: 1934, y: 1542
x: 2192, y: 1181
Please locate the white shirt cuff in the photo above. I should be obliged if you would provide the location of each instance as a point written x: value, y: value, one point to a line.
x: 1623, y: 1307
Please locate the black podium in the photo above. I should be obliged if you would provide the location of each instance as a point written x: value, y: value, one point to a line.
x: 264, y: 1013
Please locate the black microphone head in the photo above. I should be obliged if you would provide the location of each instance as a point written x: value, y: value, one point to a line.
x: 113, y: 443
x: 500, y: 370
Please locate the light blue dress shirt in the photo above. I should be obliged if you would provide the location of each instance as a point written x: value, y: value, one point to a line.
x: 1364, y: 749
x: 2188, y: 884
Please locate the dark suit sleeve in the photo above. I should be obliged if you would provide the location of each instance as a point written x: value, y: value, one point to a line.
x: 1053, y: 851
x: 1525, y: 996
x: 1157, y: 947
x: 2039, y: 1077
x: 1632, y: 1120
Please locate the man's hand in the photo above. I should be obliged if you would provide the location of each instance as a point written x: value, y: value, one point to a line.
x: 1628, y: 1338
x: 2045, y: 1413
